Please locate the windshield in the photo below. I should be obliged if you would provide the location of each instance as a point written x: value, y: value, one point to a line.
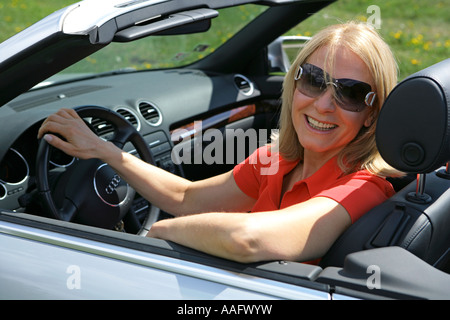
x: 160, y: 52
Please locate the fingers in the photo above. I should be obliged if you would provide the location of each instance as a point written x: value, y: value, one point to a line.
x: 66, y: 131
x: 58, y: 143
x: 58, y: 122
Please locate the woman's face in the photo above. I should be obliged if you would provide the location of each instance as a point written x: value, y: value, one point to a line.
x: 323, y: 128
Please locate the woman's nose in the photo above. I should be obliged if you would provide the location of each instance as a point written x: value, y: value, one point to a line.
x: 325, y: 102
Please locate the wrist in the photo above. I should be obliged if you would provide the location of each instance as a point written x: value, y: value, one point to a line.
x: 108, y: 152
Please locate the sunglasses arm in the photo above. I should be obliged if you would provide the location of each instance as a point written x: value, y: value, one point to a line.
x: 370, y: 98
x: 299, y: 73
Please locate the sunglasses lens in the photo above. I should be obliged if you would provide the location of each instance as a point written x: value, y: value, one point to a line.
x: 349, y: 94
x: 311, y: 82
x: 352, y: 94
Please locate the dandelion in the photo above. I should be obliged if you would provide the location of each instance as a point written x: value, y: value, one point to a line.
x: 447, y: 43
x: 398, y: 34
x: 415, y: 62
x: 362, y: 18
x: 427, y: 45
x: 417, y: 40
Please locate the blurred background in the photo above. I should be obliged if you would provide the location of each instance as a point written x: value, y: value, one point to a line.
x: 418, y: 31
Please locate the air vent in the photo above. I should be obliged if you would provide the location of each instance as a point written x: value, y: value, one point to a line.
x: 150, y: 113
x: 129, y: 116
x: 244, y: 85
x: 102, y: 128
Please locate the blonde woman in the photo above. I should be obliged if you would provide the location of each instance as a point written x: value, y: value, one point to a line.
x: 328, y: 170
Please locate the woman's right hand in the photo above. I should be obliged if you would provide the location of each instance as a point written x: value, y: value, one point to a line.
x: 79, y: 141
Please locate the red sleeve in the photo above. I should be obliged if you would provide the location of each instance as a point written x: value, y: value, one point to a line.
x: 359, y: 192
x: 247, y: 175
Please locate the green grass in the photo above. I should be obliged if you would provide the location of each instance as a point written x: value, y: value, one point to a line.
x: 418, y: 31
x: 16, y: 15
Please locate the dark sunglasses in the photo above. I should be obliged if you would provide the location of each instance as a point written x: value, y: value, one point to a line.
x: 351, y: 95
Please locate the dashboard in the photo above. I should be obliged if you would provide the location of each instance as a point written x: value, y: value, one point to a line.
x: 157, y: 103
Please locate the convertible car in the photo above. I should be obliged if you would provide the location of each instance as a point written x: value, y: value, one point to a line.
x: 154, y: 76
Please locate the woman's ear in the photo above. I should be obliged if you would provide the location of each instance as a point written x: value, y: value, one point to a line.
x: 368, y: 122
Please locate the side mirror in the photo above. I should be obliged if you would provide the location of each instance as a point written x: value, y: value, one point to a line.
x: 283, y: 51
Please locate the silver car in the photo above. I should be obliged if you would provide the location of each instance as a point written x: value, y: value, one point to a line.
x: 144, y: 74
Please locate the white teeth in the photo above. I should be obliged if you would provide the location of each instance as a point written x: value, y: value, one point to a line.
x: 320, y: 125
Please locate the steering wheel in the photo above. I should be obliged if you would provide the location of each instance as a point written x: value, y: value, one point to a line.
x: 89, y: 191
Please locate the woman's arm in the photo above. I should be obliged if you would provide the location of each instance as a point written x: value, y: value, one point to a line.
x: 302, y: 232
x: 167, y: 191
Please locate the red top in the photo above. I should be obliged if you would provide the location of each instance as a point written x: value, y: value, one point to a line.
x: 260, y: 176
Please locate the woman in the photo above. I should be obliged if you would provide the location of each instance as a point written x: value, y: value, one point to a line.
x: 328, y: 170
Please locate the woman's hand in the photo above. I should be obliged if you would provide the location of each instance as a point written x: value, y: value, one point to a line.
x: 79, y: 141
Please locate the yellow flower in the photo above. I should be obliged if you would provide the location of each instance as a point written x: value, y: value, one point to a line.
x: 398, y: 34
x: 362, y: 18
x: 427, y: 45
x: 415, y: 62
x: 417, y: 40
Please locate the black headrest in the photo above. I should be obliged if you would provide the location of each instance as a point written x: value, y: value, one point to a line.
x: 413, y: 130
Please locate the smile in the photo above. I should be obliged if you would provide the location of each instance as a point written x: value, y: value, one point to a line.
x: 315, y: 124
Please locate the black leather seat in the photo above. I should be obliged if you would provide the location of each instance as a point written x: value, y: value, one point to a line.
x: 413, y: 135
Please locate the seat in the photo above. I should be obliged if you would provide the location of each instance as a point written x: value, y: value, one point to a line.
x: 413, y: 136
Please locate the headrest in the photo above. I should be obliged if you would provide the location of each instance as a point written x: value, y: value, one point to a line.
x: 413, y: 129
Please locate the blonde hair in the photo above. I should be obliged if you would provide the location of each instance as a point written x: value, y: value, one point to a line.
x: 364, y: 41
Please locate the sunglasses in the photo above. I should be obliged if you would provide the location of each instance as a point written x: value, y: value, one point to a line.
x: 351, y: 95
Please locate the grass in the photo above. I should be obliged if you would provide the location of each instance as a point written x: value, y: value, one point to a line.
x: 418, y: 31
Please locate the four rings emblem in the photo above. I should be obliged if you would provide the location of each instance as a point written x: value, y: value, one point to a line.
x: 109, y: 186
x: 113, y: 184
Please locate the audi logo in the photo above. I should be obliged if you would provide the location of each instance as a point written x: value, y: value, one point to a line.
x: 113, y: 184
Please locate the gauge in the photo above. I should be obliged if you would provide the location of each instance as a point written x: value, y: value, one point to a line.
x: 3, y: 191
x: 59, y: 158
x: 13, y: 168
